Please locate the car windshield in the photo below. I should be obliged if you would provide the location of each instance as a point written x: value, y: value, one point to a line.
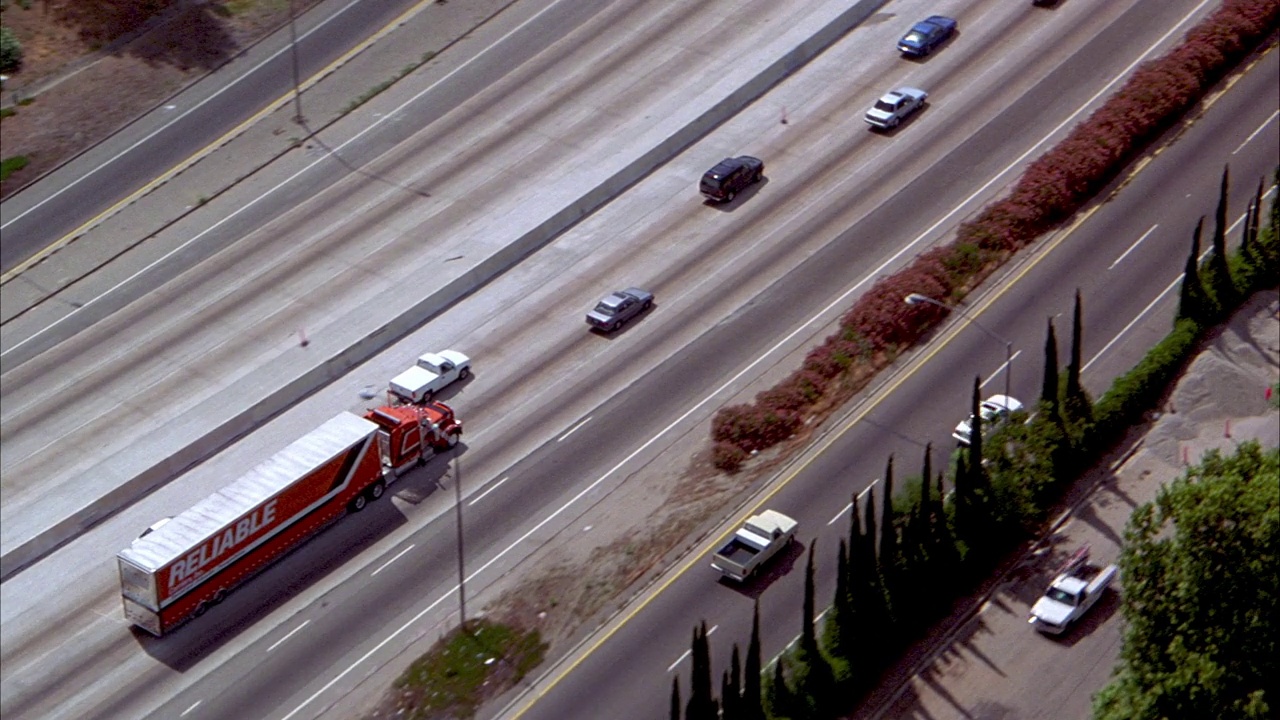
x: 884, y: 105
x: 915, y: 36
x: 991, y: 410
x: 604, y: 308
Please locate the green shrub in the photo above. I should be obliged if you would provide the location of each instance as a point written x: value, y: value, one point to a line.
x: 11, y: 165
x: 1140, y: 389
x: 10, y: 51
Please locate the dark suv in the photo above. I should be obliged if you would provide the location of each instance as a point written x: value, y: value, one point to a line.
x: 722, y: 182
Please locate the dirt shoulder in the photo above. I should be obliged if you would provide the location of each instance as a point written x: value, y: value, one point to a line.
x: 91, y: 68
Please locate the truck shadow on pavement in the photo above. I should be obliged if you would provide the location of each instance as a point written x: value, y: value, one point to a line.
x: 296, y: 573
x: 1100, y: 613
x: 773, y: 569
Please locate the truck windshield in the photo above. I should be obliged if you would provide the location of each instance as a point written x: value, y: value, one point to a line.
x: 1061, y: 596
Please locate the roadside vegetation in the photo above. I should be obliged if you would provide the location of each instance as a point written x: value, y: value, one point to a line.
x: 1001, y: 487
x: 1207, y: 642
x: 463, y: 669
x: 879, y: 327
x: 11, y: 165
x: 1200, y: 567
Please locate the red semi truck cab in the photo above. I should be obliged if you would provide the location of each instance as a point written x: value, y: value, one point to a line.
x: 410, y: 435
x: 179, y: 569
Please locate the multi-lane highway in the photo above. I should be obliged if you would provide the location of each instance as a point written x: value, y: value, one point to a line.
x: 1125, y: 258
x: 840, y: 206
x: 101, y: 176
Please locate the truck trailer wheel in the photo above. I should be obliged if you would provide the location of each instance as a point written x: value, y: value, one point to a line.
x: 357, y: 503
x: 375, y: 490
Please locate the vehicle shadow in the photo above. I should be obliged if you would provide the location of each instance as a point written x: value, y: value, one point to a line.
x: 294, y: 573
x: 614, y: 334
x: 746, y: 194
x: 776, y: 567
x: 448, y: 392
x: 1107, y: 605
x: 924, y: 58
x: 911, y: 119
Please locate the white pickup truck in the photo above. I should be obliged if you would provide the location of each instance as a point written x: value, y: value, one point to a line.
x: 1076, y: 588
x: 759, y: 539
x: 433, y: 372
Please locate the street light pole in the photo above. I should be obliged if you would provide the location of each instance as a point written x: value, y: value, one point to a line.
x: 917, y: 298
x: 297, y: 91
x: 462, y: 574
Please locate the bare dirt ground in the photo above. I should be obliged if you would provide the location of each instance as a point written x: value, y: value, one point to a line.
x: 89, y: 68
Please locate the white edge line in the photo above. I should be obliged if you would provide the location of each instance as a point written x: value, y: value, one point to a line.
x: 840, y: 514
x: 574, y: 429
x: 735, y: 378
x: 1000, y: 369
x: 1135, y: 244
x: 679, y: 660
x: 1159, y: 297
x: 486, y: 492
x: 286, y: 637
x: 1254, y: 134
x: 194, y: 705
x: 397, y: 557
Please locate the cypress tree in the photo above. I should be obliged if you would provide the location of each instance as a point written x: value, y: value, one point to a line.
x: 888, y: 531
x: 838, y: 628
x: 1268, y: 245
x: 1257, y: 213
x: 1050, y: 386
x: 1077, y: 407
x: 1275, y: 210
x: 856, y: 555
x: 781, y: 703
x: 731, y: 694
x: 943, y: 543
x: 963, y: 506
x: 925, y: 509
x: 869, y: 533
x: 752, y: 706
x: 1192, y: 303
x: 808, y: 633
x: 814, y: 682
x: 1250, y: 269
x: 976, y: 472
x: 1219, y: 281
x: 675, y: 697
x: 702, y: 703
x: 867, y: 586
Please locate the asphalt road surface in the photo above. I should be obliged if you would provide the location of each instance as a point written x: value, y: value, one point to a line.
x: 731, y: 284
x: 1124, y: 258
x: 98, y: 178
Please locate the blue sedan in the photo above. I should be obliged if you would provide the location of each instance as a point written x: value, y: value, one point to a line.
x: 926, y: 35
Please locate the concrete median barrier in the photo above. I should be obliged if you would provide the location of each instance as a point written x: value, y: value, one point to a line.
x: 31, y: 533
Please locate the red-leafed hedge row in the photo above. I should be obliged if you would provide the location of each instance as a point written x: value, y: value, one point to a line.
x: 1053, y: 188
